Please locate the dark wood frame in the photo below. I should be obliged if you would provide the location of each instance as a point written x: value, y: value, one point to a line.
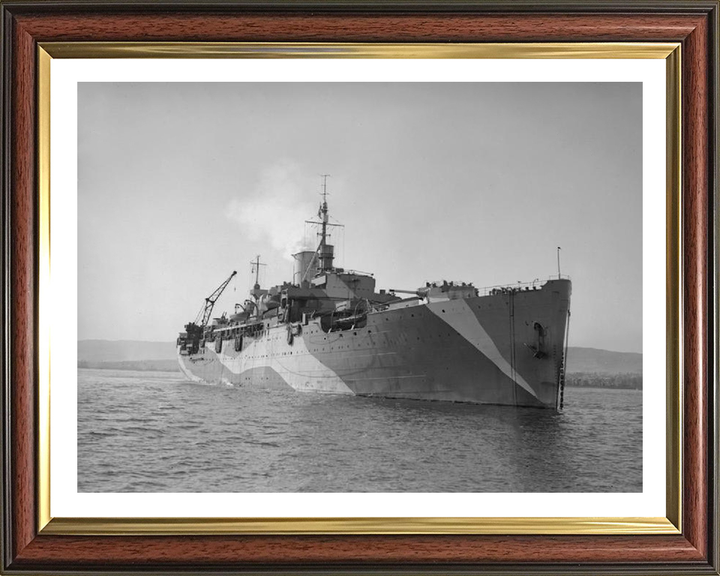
x: 694, y: 24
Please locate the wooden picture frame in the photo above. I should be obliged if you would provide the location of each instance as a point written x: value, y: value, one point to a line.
x: 31, y: 545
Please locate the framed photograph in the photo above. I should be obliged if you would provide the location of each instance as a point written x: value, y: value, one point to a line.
x: 359, y: 287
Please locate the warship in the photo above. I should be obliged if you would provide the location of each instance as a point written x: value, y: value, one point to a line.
x: 330, y: 331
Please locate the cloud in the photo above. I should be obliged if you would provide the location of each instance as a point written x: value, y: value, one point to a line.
x: 276, y: 209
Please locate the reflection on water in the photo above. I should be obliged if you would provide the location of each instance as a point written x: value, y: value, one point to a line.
x: 154, y: 432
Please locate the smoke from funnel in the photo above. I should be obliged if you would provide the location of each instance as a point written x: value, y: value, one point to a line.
x: 276, y: 210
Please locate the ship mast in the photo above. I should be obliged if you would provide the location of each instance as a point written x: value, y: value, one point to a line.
x: 256, y: 292
x: 325, y: 250
x: 324, y: 214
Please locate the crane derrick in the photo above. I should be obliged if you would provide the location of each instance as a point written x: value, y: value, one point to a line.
x: 203, y: 316
x: 189, y: 341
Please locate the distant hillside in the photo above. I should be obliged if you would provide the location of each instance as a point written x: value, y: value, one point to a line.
x: 158, y: 354
x: 141, y: 365
x: 124, y: 350
x: 595, y: 361
x: 594, y: 380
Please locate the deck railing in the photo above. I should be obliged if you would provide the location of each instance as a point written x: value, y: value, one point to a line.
x: 519, y: 286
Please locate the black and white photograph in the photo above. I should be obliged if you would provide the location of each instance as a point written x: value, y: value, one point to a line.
x: 371, y: 287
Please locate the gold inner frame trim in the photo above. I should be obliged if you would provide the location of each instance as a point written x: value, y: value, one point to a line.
x: 43, y: 159
x: 534, y: 525
x: 563, y: 50
x: 673, y: 266
x: 293, y: 526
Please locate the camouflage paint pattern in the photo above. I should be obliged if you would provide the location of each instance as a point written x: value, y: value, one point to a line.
x: 505, y: 348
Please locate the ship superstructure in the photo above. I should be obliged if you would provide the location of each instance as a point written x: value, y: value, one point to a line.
x: 331, y: 331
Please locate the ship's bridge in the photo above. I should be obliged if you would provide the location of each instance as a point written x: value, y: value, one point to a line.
x: 343, y: 284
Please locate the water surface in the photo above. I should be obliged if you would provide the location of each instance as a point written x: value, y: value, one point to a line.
x: 155, y: 432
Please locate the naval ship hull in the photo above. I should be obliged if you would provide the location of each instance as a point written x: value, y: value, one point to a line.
x: 505, y: 348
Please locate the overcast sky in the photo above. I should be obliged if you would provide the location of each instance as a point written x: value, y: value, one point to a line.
x: 180, y: 184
